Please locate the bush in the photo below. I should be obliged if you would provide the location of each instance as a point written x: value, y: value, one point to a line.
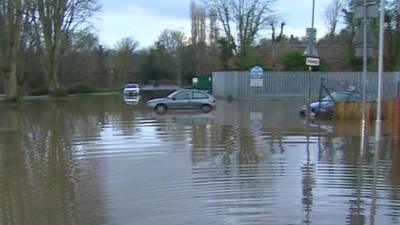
x: 81, y: 88
x: 58, y: 93
x: 295, y: 61
x: 43, y: 90
x: 13, y: 100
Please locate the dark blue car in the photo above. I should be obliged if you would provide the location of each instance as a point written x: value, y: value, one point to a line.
x: 326, y: 106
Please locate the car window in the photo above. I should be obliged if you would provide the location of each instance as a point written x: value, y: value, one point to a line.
x: 182, y: 95
x: 337, y: 96
x: 354, y: 97
x: 199, y: 95
x: 131, y: 86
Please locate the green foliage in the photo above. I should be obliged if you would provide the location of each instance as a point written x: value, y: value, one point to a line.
x: 225, y: 52
x: 250, y: 59
x: 160, y: 66
x: 190, y: 63
x: 43, y: 90
x: 324, y: 66
x: 81, y: 88
x: 294, y: 61
x: 13, y: 100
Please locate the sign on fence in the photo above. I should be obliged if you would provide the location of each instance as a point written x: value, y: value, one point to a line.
x: 256, y: 76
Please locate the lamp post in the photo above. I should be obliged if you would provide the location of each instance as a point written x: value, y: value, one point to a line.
x: 380, y: 72
x: 364, y: 11
x: 311, y: 54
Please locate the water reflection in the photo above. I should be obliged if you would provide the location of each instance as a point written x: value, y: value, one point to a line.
x: 101, y: 160
x: 132, y: 99
x: 41, y: 179
x: 184, y: 118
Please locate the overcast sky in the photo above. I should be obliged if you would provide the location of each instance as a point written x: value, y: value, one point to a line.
x: 144, y: 20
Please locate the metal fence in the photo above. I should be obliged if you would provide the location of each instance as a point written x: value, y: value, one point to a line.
x: 294, y: 85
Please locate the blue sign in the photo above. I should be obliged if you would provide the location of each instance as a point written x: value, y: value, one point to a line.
x: 256, y: 72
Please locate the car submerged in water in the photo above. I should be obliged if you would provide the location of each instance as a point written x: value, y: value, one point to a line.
x: 325, y: 107
x: 131, y: 89
x: 183, y: 99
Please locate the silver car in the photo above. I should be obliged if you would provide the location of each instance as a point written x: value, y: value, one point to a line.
x: 184, y: 99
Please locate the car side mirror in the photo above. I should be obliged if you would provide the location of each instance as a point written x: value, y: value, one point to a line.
x: 173, y: 99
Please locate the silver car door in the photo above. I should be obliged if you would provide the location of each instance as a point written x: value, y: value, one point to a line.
x: 199, y: 99
x: 181, y: 100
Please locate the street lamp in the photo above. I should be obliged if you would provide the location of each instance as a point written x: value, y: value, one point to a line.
x: 364, y: 11
x: 380, y: 71
x: 311, y: 54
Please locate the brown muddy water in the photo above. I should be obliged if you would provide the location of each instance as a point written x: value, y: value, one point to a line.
x: 102, y: 161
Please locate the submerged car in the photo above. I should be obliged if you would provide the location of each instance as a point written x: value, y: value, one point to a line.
x: 131, y: 89
x: 326, y: 105
x: 184, y: 99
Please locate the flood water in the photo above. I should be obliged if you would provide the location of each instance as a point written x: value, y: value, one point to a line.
x: 97, y: 160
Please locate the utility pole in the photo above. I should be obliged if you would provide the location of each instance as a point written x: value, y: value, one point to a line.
x: 380, y: 72
x: 364, y: 11
x: 311, y: 54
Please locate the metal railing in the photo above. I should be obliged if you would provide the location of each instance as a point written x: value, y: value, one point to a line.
x: 293, y: 85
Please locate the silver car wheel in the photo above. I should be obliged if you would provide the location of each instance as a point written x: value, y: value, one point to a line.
x: 206, y: 108
x: 161, y: 109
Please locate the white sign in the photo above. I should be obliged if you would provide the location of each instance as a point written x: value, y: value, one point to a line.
x: 256, y: 82
x: 312, y: 61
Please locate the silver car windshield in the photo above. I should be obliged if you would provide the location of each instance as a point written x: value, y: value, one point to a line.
x: 337, y: 96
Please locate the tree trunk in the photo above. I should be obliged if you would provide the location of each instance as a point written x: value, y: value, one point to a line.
x: 51, y: 22
x: 11, y: 81
x: 53, y: 71
x: 5, y: 80
x: 12, y: 74
x: 11, y: 86
x: 12, y: 19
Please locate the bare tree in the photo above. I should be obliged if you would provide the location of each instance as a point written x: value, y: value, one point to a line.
x: 124, y: 57
x: 332, y: 15
x: 198, y: 17
x: 241, y: 21
x: 280, y: 36
x: 174, y: 41
x: 11, y: 20
x: 58, y: 19
x: 213, y: 29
